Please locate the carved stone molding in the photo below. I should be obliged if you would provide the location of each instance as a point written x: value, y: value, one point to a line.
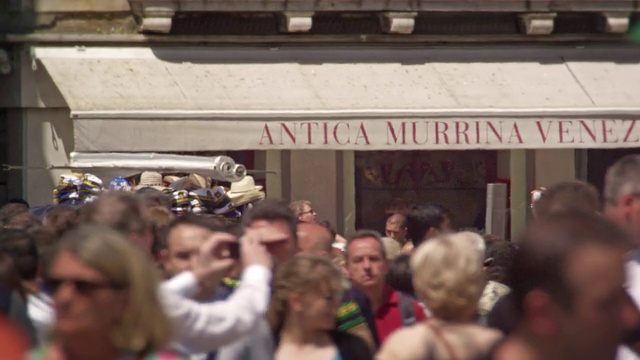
x: 616, y: 23
x: 537, y: 23
x: 398, y: 22
x: 157, y: 18
x: 296, y: 22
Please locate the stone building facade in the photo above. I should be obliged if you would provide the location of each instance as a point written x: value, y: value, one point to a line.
x: 348, y: 103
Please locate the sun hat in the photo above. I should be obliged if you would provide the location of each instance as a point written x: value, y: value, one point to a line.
x: 246, y: 191
x: 245, y: 185
x: 201, y: 181
x: 151, y: 179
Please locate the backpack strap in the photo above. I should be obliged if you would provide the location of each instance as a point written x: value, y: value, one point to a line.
x: 5, y: 301
x: 407, y: 310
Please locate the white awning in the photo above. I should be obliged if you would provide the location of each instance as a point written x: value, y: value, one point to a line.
x: 192, y: 99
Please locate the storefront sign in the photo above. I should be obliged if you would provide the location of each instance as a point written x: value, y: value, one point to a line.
x: 453, y: 133
x: 351, y: 134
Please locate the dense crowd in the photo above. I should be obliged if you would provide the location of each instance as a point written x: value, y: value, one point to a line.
x: 125, y: 276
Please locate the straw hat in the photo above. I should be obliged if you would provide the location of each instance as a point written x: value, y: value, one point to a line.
x: 245, y: 191
x: 245, y: 185
x: 151, y: 179
x: 201, y: 181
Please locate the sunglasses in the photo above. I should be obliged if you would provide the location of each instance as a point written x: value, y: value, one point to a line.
x: 84, y: 287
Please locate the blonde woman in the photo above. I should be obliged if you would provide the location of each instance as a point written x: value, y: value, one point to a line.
x: 448, y: 277
x: 307, y: 292
x: 104, y: 291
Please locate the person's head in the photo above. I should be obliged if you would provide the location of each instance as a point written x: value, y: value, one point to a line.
x: 20, y: 201
x: 396, y: 227
x: 400, y: 276
x: 123, y: 212
x: 103, y: 286
x: 152, y: 197
x: 567, y: 196
x: 46, y: 240
x: 185, y: 236
x: 60, y: 219
x: 160, y: 219
x: 22, y: 221
x: 11, y: 209
x: 367, y: 263
x: 303, y: 211
x: 391, y: 247
x: 448, y: 275
x: 276, y: 215
x: 622, y: 193
x: 21, y: 247
x: 10, y: 279
x: 307, y: 291
x: 314, y: 239
x: 568, y: 285
x: 425, y: 221
x: 498, y: 260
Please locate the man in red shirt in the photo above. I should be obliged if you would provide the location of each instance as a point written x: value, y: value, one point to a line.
x: 367, y: 266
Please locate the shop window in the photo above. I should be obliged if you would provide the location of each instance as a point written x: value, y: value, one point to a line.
x: 454, y: 179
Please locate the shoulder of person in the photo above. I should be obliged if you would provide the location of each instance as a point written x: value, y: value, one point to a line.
x: 483, y: 335
x: 407, y: 343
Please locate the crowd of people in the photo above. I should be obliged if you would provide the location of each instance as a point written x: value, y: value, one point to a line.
x: 126, y: 276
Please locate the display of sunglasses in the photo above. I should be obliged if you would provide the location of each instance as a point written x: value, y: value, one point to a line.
x: 85, y: 287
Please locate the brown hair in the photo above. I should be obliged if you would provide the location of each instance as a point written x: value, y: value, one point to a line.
x: 160, y: 219
x: 365, y: 234
x: 272, y: 210
x: 303, y: 274
x: 547, y: 247
x: 568, y: 196
x: 118, y: 210
x: 11, y: 209
x: 61, y: 218
x: 143, y: 328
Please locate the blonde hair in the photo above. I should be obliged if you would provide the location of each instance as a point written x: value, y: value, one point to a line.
x: 392, y: 248
x: 298, y: 206
x: 448, y: 275
x: 143, y: 328
x: 303, y: 274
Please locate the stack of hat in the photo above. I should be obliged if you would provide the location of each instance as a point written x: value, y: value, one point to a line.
x: 77, y: 188
x: 180, y: 202
x: 245, y: 191
x: 212, y: 201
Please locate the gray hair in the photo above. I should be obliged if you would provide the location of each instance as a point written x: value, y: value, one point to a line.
x: 622, y: 178
x: 366, y: 234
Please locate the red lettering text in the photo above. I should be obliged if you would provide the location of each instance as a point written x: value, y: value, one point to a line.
x: 335, y: 133
x: 362, y: 133
x: 463, y: 132
x: 606, y: 131
x: 414, y: 127
x: 515, y: 131
x: 544, y: 134
x: 266, y: 133
x: 395, y: 136
x: 563, y: 131
x: 309, y: 137
x: 626, y: 138
x: 591, y: 132
x: 443, y: 132
x: 494, y: 130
